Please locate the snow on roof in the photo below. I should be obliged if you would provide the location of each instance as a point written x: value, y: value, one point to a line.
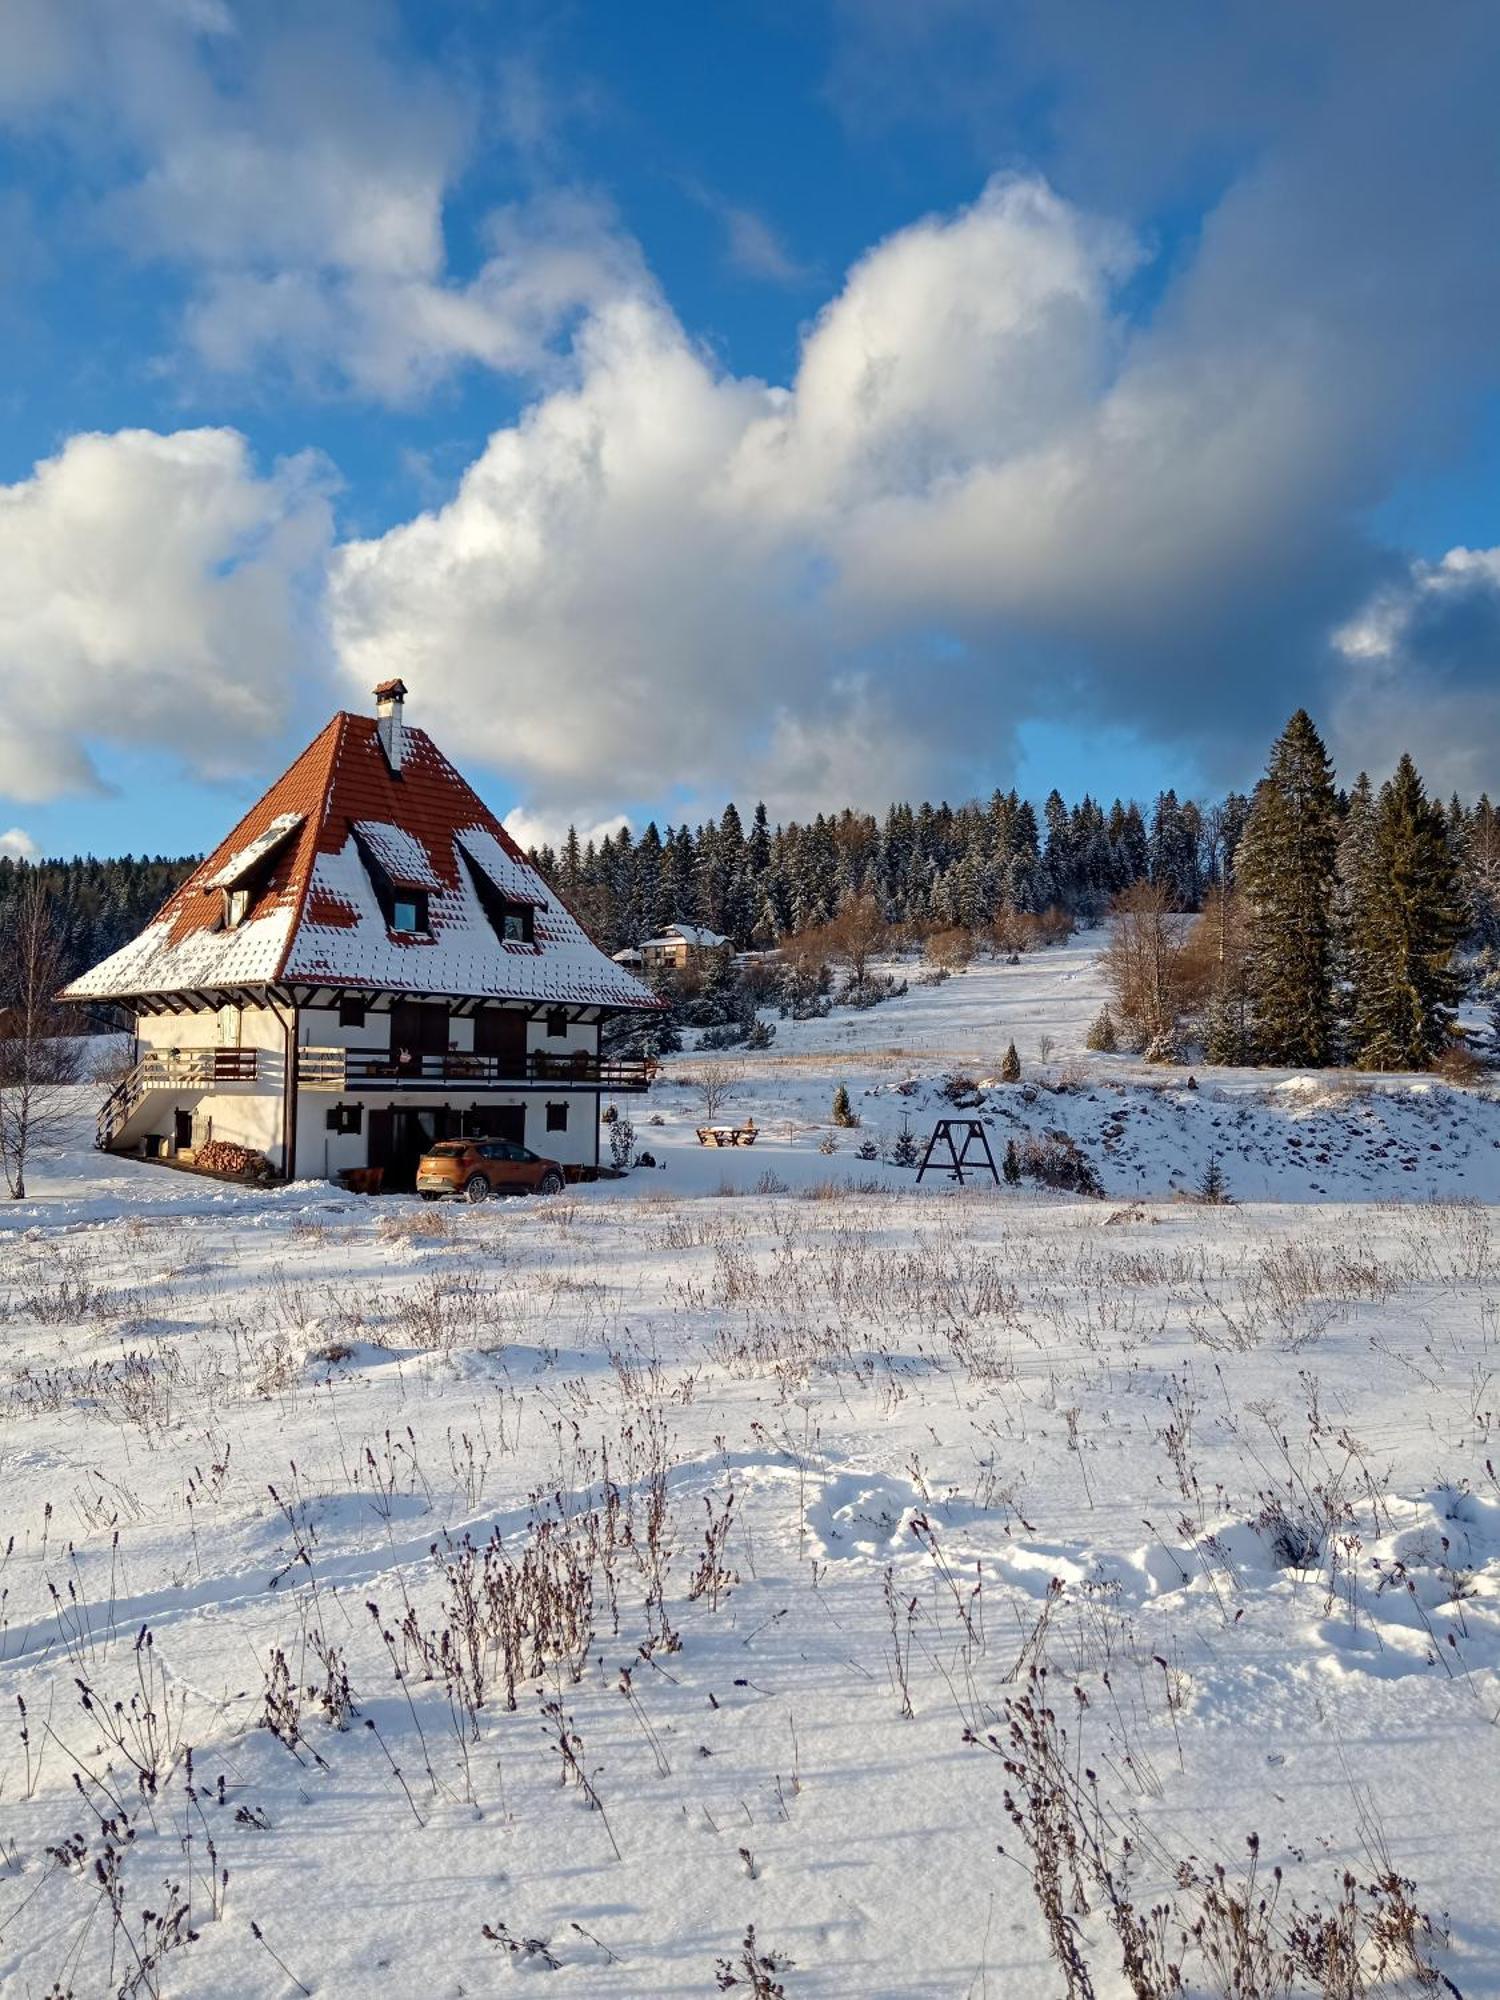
x: 315, y: 916
x: 514, y: 878
x: 247, y: 858
x: 695, y: 934
x: 402, y: 856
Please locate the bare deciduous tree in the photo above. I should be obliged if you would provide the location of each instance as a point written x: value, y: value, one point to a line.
x: 855, y: 934
x: 38, y: 1062
x: 716, y: 1083
x: 1147, y: 965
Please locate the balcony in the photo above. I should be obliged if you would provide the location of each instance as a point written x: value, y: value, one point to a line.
x: 171, y: 1069
x: 346, y: 1070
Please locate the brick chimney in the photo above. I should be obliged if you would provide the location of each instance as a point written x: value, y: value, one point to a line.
x: 388, y: 699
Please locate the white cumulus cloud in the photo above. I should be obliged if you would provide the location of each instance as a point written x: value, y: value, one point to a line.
x: 153, y: 592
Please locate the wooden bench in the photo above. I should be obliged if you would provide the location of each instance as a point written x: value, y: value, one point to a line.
x: 728, y: 1135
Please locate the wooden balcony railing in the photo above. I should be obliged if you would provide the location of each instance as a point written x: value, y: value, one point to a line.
x: 171, y: 1069
x: 377, y: 1069
x: 164, y: 1068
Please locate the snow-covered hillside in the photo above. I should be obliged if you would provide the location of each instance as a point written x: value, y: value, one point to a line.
x: 1148, y: 1132
x: 789, y: 1504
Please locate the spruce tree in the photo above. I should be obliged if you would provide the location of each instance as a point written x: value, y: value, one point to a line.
x: 1356, y: 888
x: 1102, y: 1036
x: 1010, y: 1068
x: 1285, y: 867
x: 1405, y: 932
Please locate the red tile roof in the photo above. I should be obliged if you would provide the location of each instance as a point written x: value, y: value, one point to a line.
x: 314, y: 916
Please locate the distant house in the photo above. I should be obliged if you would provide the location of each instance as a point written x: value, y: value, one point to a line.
x: 365, y: 965
x: 681, y: 945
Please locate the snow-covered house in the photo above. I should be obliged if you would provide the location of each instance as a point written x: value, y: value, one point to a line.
x: 367, y: 964
x: 681, y: 945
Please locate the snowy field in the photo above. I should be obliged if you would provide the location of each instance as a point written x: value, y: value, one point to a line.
x: 403, y: 1600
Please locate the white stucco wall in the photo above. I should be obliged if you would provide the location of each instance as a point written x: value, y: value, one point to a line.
x: 322, y: 1154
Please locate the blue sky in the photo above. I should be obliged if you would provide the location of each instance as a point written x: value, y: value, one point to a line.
x: 821, y: 402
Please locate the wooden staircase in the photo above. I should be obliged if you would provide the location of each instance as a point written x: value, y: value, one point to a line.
x: 169, y: 1069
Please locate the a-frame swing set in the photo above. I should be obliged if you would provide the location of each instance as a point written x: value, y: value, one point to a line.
x: 959, y: 1157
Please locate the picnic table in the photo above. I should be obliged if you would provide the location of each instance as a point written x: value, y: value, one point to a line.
x: 728, y: 1135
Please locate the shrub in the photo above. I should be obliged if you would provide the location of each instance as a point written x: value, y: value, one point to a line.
x: 871, y: 990
x: 1010, y: 1069
x: 621, y: 1144
x: 1102, y: 1036
x: 905, y: 1153
x: 1056, y: 1161
x: 1459, y: 1064
x: 952, y: 949
x: 867, y: 1150
x: 727, y: 1035
x: 761, y: 1035
x: 1012, y: 1166
x: 960, y: 1090
x: 1212, y: 1186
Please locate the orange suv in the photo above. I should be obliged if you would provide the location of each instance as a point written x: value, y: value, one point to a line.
x: 478, y: 1168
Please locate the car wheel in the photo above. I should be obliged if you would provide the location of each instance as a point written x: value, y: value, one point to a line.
x: 431, y: 1197
x: 550, y: 1184
x: 476, y: 1188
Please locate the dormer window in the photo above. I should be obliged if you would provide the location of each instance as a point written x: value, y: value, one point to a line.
x: 236, y: 908
x: 512, y: 914
x: 409, y: 911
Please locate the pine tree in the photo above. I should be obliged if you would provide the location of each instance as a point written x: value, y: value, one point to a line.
x: 904, y: 1152
x: 1010, y: 1069
x: 1356, y: 889
x: 1286, y: 870
x: 1405, y: 933
x: 1102, y: 1037
x: 843, y: 1110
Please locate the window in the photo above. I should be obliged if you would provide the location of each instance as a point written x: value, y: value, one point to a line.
x: 557, y: 1021
x: 409, y: 910
x: 351, y: 1013
x: 346, y: 1118
x: 515, y: 923
x: 236, y: 906
x: 557, y: 1117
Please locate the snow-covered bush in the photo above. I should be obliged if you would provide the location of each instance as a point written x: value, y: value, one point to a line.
x: 1058, y: 1161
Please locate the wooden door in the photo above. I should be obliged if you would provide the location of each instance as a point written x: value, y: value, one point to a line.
x: 420, y: 1026
x: 501, y: 1032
